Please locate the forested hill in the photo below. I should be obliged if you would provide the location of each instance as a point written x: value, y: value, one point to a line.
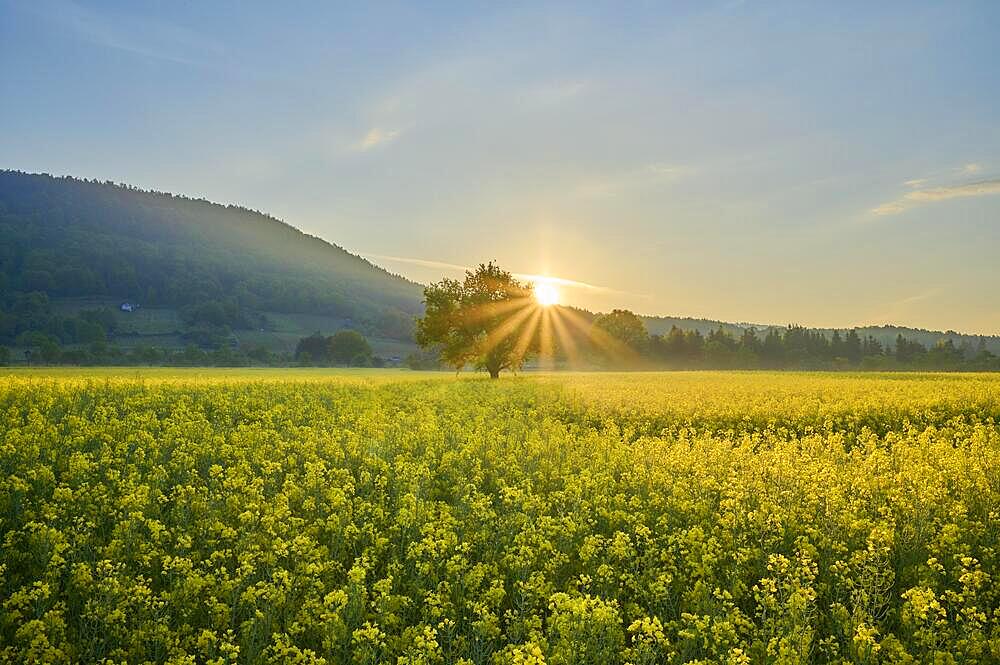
x: 218, y: 264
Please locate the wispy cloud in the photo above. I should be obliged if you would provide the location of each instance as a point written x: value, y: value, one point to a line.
x: 972, y: 168
x: 142, y: 36
x: 554, y: 93
x: 934, y: 194
x: 917, y: 297
x: 529, y: 277
x: 425, y: 263
x: 648, y: 175
x: 375, y: 138
x: 943, y: 193
x: 902, y: 306
x: 570, y: 283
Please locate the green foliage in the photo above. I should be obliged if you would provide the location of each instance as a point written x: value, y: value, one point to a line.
x: 350, y: 347
x: 596, y: 518
x: 219, y: 265
x: 480, y: 321
x: 424, y: 359
x: 345, y: 347
x: 625, y: 327
x: 793, y: 347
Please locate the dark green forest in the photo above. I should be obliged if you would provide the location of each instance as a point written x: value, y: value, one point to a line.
x: 791, y: 347
x: 220, y: 266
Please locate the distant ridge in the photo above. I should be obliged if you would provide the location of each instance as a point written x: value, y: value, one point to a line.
x: 69, y: 237
x: 885, y: 334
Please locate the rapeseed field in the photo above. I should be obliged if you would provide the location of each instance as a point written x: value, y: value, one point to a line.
x: 390, y: 517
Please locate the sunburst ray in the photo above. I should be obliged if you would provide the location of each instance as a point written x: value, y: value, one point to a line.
x: 563, y: 336
x: 602, y: 340
x: 505, y: 329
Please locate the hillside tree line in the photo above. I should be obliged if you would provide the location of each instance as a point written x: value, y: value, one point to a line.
x: 791, y: 347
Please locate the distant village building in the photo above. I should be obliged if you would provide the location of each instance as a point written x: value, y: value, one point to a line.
x: 128, y: 307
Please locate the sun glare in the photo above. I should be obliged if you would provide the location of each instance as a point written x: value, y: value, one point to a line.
x: 546, y: 294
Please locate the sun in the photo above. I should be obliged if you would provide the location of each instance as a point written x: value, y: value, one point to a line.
x: 546, y: 294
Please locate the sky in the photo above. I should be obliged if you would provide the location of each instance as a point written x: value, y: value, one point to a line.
x: 825, y: 164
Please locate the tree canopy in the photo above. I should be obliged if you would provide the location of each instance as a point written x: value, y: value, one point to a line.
x: 624, y: 329
x: 479, y: 321
x: 345, y: 347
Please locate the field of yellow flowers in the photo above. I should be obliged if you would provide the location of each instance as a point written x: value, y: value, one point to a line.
x: 318, y: 517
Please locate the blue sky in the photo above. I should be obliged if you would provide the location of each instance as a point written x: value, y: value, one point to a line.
x: 829, y: 165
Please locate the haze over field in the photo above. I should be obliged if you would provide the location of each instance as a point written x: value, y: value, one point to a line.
x: 739, y: 161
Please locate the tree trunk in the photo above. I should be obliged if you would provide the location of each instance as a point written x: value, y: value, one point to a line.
x: 494, y: 372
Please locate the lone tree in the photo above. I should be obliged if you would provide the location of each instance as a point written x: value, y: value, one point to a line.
x: 479, y: 321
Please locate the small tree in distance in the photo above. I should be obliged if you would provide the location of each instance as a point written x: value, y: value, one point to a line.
x: 345, y: 347
x: 626, y: 327
x: 349, y: 347
x: 620, y: 337
x: 475, y: 321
